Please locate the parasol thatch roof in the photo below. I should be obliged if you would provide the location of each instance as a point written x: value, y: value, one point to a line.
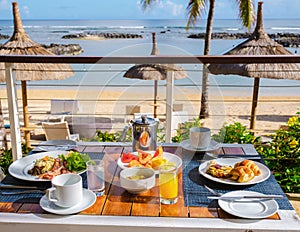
x: 21, y: 44
x: 259, y: 43
x: 154, y: 71
x: 158, y: 72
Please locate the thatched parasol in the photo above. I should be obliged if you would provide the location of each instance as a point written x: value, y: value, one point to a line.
x: 21, y: 44
x: 154, y: 72
x: 259, y: 43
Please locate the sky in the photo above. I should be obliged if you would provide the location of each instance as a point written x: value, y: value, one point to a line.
x: 131, y: 9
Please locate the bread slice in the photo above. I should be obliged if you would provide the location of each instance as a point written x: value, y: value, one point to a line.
x: 242, y: 174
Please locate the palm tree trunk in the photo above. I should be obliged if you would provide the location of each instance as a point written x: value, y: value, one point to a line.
x: 204, y: 111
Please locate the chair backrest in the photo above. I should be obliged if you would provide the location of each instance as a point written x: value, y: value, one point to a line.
x: 56, y: 130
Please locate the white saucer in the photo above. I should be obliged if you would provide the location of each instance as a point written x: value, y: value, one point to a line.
x: 186, y: 144
x: 245, y: 208
x: 88, y: 200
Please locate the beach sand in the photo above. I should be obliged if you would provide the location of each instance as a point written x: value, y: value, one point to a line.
x: 272, y: 112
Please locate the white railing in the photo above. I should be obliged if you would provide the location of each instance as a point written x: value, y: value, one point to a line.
x: 11, y: 82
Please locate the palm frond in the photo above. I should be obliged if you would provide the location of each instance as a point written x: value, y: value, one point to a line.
x: 246, y: 12
x: 146, y: 3
x: 194, y: 9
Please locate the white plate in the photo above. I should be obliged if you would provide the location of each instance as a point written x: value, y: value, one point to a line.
x: 170, y: 157
x: 55, y: 145
x: 231, y: 161
x: 20, y: 167
x: 88, y: 200
x: 246, y: 208
x: 186, y: 144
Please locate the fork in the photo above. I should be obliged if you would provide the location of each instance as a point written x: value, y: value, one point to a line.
x: 213, y: 191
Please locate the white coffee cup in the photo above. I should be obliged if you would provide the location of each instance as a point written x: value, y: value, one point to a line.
x: 66, y: 190
x: 200, y: 137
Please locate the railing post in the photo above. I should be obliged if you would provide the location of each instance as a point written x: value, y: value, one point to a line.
x: 169, y: 105
x: 13, y: 112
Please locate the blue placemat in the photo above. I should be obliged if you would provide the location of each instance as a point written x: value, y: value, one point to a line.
x: 196, y: 195
x: 34, y: 197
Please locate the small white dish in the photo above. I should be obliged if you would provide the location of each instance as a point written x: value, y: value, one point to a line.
x: 137, y: 186
x: 246, y: 208
x: 186, y: 144
x: 89, y: 198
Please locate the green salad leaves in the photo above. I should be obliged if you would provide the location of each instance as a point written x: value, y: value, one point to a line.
x: 75, y: 161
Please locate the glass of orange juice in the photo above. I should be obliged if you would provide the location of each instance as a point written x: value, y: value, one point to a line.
x: 168, y: 183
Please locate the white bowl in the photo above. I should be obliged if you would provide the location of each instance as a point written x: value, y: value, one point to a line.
x: 137, y: 185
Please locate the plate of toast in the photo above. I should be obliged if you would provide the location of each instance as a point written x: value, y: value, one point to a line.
x: 234, y: 171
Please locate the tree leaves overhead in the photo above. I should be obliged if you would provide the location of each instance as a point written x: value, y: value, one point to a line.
x: 146, y: 3
x: 246, y: 12
x: 194, y: 9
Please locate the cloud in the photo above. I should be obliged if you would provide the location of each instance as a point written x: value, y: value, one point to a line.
x: 26, y: 10
x: 4, y: 4
x: 166, y: 8
x: 175, y: 9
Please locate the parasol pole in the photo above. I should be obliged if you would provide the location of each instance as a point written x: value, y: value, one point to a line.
x: 254, y: 102
x: 15, y: 133
x: 154, y: 52
x: 155, y: 99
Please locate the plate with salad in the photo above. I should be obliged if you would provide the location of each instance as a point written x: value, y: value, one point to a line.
x: 44, y: 166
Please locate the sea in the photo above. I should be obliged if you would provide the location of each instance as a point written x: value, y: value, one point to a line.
x: 172, y: 39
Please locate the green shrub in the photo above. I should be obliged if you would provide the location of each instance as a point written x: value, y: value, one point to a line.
x: 6, y: 156
x: 235, y: 133
x: 104, y: 136
x: 183, y: 132
x: 282, y: 155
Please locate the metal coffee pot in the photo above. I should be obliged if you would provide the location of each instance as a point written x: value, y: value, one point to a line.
x: 144, y: 133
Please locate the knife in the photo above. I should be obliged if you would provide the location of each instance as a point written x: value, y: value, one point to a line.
x: 245, y: 197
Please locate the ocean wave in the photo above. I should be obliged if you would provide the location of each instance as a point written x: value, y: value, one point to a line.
x: 60, y: 32
x: 285, y: 28
x: 232, y: 29
x: 121, y: 27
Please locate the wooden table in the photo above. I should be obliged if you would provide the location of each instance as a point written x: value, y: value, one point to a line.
x: 118, y: 210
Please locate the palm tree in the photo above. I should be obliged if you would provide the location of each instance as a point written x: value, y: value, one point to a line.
x: 195, y: 10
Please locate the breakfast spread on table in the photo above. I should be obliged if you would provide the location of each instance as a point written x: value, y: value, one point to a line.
x: 48, y: 167
x: 145, y: 159
x: 242, y: 171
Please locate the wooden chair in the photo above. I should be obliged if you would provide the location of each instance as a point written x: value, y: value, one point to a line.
x: 58, y: 130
